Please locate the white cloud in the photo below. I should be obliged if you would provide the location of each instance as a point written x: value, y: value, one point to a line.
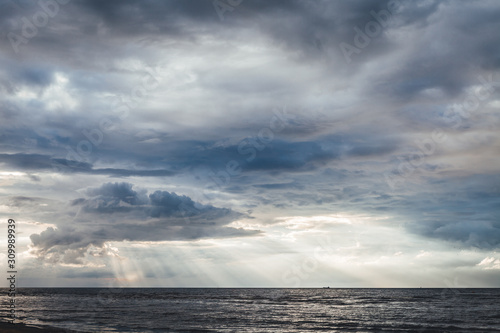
x: 490, y: 263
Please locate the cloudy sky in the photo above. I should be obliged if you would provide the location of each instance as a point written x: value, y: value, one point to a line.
x: 235, y: 143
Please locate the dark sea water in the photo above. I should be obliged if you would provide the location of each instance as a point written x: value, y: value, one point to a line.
x: 260, y: 310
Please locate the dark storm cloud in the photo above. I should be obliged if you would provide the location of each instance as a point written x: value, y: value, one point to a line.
x: 462, y: 45
x: 291, y: 156
x: 26, y: 161
x: 165, y: 204
x: 37, y: 162
x: 113, y: 198
x: 169, y: 208
x: 117, y: 212
x: 251, y: 153
x: 266, y: 155
x: 114, y: 19
x: 465, y: 210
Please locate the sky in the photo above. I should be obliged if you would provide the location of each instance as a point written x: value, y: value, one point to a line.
x: 248, y: 143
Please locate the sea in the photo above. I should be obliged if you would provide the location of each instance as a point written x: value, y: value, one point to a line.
x: 258, y: 310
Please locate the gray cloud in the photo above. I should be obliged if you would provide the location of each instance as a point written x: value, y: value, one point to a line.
x: 116, y: 212
x: 37, y: 162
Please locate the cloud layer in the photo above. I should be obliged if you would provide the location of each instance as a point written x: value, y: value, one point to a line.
x: 116, y: 212
x: 179, y: 120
